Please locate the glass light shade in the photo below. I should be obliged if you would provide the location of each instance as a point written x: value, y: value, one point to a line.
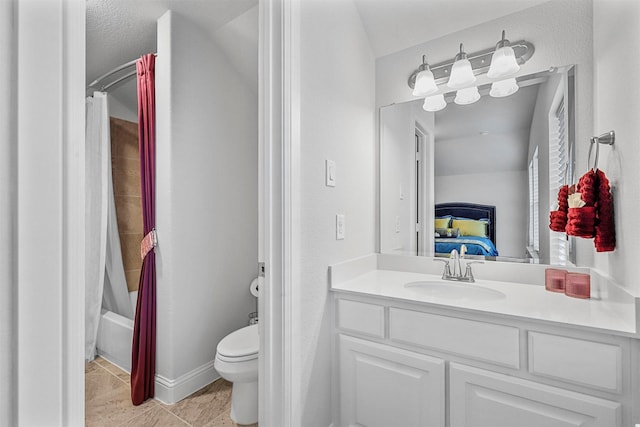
x: 461, y: 74
x: 434, y: 103
x: 503, y: 63
x: 467, y: 96
x: 425, y: 83
x: 504, y: 88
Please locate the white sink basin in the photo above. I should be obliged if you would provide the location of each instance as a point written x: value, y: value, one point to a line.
x: 454, y: 290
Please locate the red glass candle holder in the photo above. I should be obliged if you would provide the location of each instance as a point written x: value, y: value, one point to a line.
x: 555, y: 279
x: 578, y: 285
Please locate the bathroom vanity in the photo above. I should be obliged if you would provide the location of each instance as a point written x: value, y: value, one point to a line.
x: 414, y: 350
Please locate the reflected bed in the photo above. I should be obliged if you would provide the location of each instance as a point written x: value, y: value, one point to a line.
x: 480, y: 243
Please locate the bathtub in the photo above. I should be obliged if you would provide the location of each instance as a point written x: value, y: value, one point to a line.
x: 115, y: 336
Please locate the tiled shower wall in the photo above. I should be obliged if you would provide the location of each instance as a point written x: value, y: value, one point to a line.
x: 125, y: 158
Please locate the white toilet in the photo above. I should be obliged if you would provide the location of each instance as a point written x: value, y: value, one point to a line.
x: 237, y: 362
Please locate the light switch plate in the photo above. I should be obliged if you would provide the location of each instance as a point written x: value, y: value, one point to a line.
x: 340, y: 227
x: 330, y: 173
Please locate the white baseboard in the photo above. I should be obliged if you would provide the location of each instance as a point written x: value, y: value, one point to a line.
x: 170, y: 391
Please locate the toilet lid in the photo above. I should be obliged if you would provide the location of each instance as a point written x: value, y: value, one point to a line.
x: 240, y: 343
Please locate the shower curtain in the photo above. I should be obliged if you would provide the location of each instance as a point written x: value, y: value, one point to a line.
x: 105, y: 283
x: 143, y: 357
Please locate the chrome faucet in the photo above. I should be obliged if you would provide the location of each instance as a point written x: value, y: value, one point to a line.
x: 457, y: 267
x: 446, y: 273
x: 468, y: 274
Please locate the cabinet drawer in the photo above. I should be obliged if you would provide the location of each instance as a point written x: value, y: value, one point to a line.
x: 587, y: 363
x: 483, y: 398
x: 488, y: 342
x: 360, y: 317
x: 386, y: 386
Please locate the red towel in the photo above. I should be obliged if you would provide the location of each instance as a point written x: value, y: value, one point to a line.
x: 605, y: 240
x: 558, y: 219
x: 595, y: 219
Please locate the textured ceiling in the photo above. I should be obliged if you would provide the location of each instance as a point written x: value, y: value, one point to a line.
x: 121, y: 30
x: 394, y: 25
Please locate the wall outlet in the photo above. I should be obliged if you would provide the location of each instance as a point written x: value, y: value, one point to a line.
x: 330, y: 173
x: 340, y: 227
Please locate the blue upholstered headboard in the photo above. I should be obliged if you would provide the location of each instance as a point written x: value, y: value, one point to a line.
x: 471, y: 211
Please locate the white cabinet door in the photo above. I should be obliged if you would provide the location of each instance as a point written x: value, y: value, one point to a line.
x: 383, y: 386
x: 480, y: 398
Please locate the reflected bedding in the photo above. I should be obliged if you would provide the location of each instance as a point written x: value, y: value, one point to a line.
x: 475, y: 245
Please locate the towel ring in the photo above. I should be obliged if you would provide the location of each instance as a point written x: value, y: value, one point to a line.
x: 594, y: 141
x: 606, y: 138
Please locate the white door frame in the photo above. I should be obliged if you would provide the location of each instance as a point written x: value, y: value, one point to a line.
x: 278, y: 209
x: 8, y: 212
x: 48, y: 238
x: 278, y: 204
x: 421, y: 195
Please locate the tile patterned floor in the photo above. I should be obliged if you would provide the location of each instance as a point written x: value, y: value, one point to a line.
x: 108, y: 403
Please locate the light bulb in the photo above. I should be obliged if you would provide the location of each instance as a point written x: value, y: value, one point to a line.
x: 434, y: 103
x: 467, y: 96
x: 461, y: 71
x: 504, y: 88
x: 425, y: 83
x: 503, y: 61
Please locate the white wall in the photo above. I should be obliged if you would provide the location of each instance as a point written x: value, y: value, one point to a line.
x: 123, y: 101
x: 546, y: 26
x: 8, y: 172
x: 336, y: 122
x: 206, y: 198
x: 616, y: 72
x: 507, y: 190
x: 238, y: 39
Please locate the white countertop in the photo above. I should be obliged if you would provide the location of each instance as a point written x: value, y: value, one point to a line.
x: 521, y: 300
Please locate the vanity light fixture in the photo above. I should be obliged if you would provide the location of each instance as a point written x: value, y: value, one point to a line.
x: 504, y: 88
x: 503, y: 61
x: 434, y: 103
x: 461, y: 71
x: 425, y: 83
x: 467, y: 96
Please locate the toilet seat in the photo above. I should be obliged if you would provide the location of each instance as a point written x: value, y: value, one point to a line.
x: 240, y: 345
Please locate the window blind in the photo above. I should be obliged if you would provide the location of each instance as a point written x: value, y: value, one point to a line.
x: 534, y: 205
x: 558, y: 161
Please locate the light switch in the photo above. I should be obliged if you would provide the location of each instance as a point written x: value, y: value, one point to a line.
x: 397, y: 224
x: 330, y: 172
x: 340, y: 227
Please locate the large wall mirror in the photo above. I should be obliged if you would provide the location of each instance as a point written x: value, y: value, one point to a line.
x: 485, y: 175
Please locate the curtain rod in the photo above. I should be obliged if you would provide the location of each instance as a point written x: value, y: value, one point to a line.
x: 114, y: 71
